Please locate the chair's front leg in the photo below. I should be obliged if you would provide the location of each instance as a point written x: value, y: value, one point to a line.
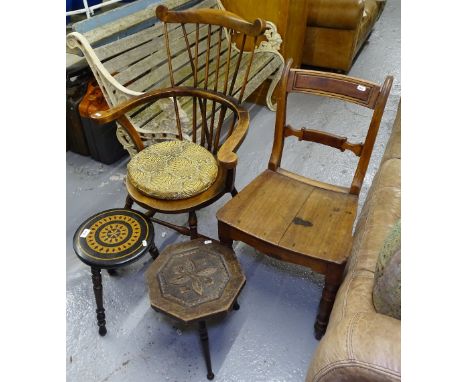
x: 333, y: 279
x: 223, y: 234
x: 128, y: 202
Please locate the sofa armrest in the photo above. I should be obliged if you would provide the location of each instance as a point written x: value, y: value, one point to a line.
x: 338, y: 14
x: 364, y: 346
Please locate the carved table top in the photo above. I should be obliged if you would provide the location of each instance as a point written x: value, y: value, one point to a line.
x: 193, y: 280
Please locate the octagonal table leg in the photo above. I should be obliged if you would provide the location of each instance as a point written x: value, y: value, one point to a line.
x: 206, y: 348
x: 153, y: 250
x: 97, y: 286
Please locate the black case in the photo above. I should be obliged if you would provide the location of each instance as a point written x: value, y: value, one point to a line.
x: 75, y: 90
x: 102, y: 141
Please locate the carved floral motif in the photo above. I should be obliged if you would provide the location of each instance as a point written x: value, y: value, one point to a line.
x: 187, y: 276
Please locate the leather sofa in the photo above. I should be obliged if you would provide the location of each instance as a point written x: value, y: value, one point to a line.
x: 336, y: 30
x: 361, y: 344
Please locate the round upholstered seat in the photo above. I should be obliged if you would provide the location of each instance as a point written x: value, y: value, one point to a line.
x: 173, y: 170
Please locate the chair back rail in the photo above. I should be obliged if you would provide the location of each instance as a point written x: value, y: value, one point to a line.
x: 204, y: 54
x: 224, y: 127
x: 342, y: 87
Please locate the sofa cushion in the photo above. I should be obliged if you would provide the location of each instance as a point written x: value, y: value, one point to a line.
x: 387, y: 287
x: 390, y: 246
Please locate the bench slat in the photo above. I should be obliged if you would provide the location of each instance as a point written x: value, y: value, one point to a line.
x: 124, y: 23
x: 264, y: 64
x: 158, y: 64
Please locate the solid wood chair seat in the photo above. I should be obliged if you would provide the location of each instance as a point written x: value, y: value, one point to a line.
x: 301, y: 218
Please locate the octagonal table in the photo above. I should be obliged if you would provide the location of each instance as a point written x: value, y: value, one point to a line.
x: 194, y: 281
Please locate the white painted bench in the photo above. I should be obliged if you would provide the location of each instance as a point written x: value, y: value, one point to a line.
x: 136, y: 63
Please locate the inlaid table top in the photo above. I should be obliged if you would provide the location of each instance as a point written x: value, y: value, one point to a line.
x: 113, y: 238
x: 195, y: 280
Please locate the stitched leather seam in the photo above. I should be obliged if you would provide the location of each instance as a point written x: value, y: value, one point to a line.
x: 357, y: 364
x: 354, y: 275
x: 349, y: 334
x: 354, y: 324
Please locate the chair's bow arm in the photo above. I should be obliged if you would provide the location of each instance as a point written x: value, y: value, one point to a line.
x: 227, y: 156
x: 106, y: 116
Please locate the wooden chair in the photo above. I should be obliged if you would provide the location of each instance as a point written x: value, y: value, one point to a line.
x: 300, y: 220
x: 214, y: 119
x: 183, y: 176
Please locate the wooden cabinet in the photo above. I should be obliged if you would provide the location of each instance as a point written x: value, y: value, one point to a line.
x: 290, y: 17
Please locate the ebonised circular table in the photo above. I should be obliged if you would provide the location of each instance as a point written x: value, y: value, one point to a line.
x: 194, y: 281
x: 109, y: 240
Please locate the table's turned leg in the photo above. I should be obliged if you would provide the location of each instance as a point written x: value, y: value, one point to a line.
x: 333, y: 279
x: 97, y: 286
x: 206, y: 347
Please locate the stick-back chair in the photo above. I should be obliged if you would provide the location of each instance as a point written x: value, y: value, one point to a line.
x: 297, y: 219
x: 183, y: 176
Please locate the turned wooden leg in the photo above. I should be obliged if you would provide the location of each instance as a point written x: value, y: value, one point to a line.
x: 223, y: 235
x: 97, y: 286
x: 193, y: 225
x: 150, y: 213
x: 112, y: 272
x: 206, y: 348
x: 153, y: 250
x: 333, y: 279
x: 128, y: 202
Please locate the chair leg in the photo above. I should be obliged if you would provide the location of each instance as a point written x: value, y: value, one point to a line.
x: 333, y: 279
x: 236, y: 305
x: 192, y: 222
x: 223, y: 235
x: 128, y: 202
x: 97, y: 286
x: 234, y: 192
x: 206, y: 348
x: 150, y: 213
